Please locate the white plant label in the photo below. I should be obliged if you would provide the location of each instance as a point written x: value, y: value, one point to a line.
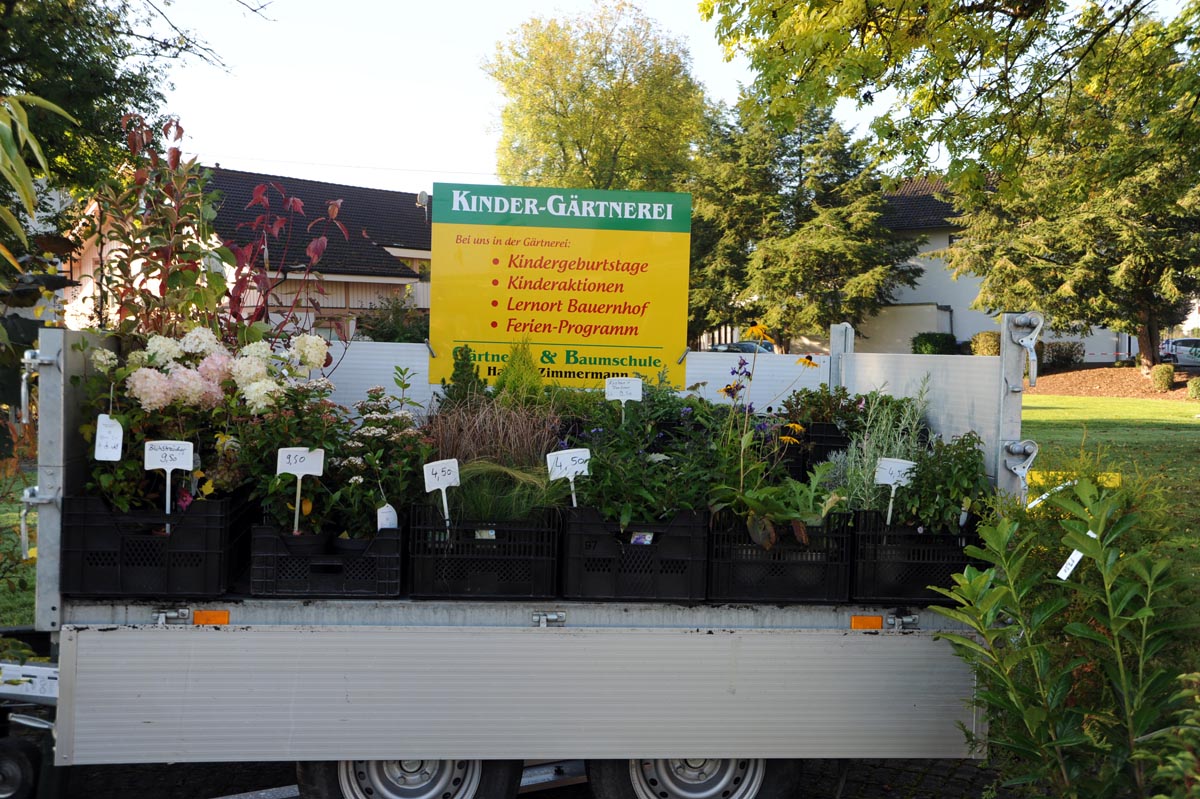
x: 168, y: 455
x: 441, y: 474
x: 110, y: 438
x: 1072, y: 561
x: 893, y: 471
x: 568, y: 463
x: 623, y: 389
x: 386, y: 517
x: 300, y: 461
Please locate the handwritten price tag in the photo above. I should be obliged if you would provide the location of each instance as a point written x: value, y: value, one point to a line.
x: 623, y: 389
x: 169, y: 455
x: 893, y: 471
x: 568, y: 463
x: 110, y: 438
x: 441, y: 474
x: 300, y: 461
x: 386, y: 517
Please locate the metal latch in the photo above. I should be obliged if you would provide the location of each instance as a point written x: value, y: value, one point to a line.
x: 163, y: 615
x: 30, y: 497
x: 549, y: 618
x: 30, y: 362
x: 909, y: 622
x: 1018, y: 457
x: 1032, y: 322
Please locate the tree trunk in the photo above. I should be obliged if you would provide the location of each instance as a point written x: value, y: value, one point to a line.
x: 1147, y: 338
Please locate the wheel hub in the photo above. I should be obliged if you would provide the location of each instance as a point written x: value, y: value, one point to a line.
x: 409, y: 779
x: 697, y: 778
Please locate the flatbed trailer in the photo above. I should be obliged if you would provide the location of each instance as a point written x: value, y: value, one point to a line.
x: 430, y: 699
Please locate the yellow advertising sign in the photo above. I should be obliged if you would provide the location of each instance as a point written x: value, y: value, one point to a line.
x: 595, y: 281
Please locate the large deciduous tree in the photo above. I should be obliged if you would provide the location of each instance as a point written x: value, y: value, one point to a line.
x: 1104, y: 226
x: 786, y: 227
x: 964, y: 79
x: 604, y: 100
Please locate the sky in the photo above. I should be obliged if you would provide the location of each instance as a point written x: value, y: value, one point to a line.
x: 388, y: 94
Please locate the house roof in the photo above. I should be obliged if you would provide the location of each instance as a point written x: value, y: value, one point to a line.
x: 374, y: 219
x: 916, y: 204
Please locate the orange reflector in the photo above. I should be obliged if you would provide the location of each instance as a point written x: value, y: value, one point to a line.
x: 210, y: 617
x: 866, y: 622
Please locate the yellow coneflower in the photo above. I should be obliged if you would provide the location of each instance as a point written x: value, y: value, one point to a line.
x: 807, y: 362
x: 758, y: 333
x: 730, y: 390
x: 794, y: 427
x: 789, y: 440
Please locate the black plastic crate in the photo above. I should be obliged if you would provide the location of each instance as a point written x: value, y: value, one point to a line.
x: 483, y: 560
x: 898, y: 564
x: 818, y: 441
x: 106, y: 552
x: 790, y: 571
x: 283, y: 567
x: 656, y: 560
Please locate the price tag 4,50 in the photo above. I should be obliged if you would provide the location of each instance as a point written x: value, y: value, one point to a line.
x: 569, y: 463
x: 440, y: 475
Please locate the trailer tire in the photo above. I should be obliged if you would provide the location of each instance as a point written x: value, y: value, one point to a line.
x: 20, y: 761
x: 701, y: 778
x: 409, y: 779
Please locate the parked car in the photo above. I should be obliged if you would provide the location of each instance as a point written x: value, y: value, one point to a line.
x: 1183, y: 351
x: 742, y: 346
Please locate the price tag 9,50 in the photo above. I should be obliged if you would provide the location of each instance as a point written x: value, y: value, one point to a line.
x: 300, y: 461
x: 623, y: 389
x: 168, y: 456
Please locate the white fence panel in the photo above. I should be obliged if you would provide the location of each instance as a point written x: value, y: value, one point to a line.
x: 361, y: 365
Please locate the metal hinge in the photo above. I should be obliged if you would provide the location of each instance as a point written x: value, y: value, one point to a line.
x: 1018, y: 457
x: 30, y: 362
x: 909, y: 622
x: 1031, y: 322
x: 29, y: 498
x: 549, y: 618
x: 175, y: 615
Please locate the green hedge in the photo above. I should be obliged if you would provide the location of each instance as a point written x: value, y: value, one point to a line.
x: 986, y: 342
x: 934, y: 344
x: 1162, y: 377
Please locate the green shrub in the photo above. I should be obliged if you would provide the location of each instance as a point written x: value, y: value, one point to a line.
x: 519, y: 381
x: 1193, y: 386
x: 986, y: 342
x: 934, y: 344
x: 1062, y: 355
x: 1162, y: 377
x: 465, y: 386
x: 394, y: 319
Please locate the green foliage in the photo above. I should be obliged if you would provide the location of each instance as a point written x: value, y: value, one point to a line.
x: 1162, y: 377
x: 1193, y: 388
x: 1178, y: 771
x: 1070, y: 671
x: 604, y: 100
x: 519, y: 382
x: 650, y: 460
x: 927, y: 60
x: 492, y: 492
x: 824, y: 405
x: 891, y: 427
x: 1062, y: 355
x: 934, y: 344
x: 465, y: 385
x: 950, y: 477
x: 394, y: 318
x: 986, y: 342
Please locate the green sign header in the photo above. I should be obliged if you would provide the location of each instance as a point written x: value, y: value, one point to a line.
x: 523, y: 206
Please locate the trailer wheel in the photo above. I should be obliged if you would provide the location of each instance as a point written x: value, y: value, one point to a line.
x: 409, y: 779
x: 19, y: 764
x: 699, y: 778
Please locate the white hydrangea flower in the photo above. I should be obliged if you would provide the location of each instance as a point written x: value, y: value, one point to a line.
x: 310, y: 350
x: 258, y: 349
x: 260, y: 394
x: 200, y: 340
x: 163, y: 350
x: 137, y: 359
x: 104, y: 360
x: 248, y: 370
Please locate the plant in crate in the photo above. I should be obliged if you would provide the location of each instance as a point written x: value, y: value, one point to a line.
x: 948, y: 483
x: 380, y: 465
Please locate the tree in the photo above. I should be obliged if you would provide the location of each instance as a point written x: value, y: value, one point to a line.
x: 968, y: 76
x: 1104, y: 226
x: 601, y: 101
x: 787, y: 227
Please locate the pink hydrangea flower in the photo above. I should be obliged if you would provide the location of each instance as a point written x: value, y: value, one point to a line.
x: 216, y: 366
x: 188, y: 385
x: 151, y: 388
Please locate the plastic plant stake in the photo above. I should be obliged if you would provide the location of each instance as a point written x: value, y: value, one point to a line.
x: 569, y: 463
x: 168, y: 456
x: 440, y: 475
x: 299, y: 461
x: 892, y: 472
x: 623, y: 389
